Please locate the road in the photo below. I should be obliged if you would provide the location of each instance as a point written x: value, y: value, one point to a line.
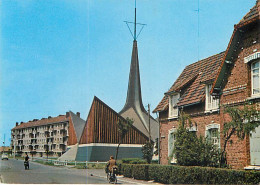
x: 12, y: 171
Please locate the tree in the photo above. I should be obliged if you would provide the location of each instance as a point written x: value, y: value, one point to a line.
x: 123, y: 128
x: 243, y: 122
x: 191, y: 150
x: 147, y: 151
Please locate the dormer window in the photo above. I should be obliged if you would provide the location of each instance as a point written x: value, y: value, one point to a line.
x: 211, y: 103
x: 255, y: 79
x: 173, y: 109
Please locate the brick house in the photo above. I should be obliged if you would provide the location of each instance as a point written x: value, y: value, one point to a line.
x: 228, y: 78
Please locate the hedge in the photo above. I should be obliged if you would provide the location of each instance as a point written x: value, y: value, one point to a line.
x: 133, y: 161
x: 168, y: 174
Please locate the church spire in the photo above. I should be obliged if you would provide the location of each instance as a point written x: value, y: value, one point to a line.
x: 133, y: 107
x: 134, y: 96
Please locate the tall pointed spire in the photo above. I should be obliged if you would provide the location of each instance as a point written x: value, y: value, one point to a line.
x: 134, y: 95
x: 134, y: 108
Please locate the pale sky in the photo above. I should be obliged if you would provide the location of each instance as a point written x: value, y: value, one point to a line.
x: 55, y: 55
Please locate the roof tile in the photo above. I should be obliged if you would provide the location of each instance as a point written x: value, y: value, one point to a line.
x: 193, y: 77
x: 46, y: 121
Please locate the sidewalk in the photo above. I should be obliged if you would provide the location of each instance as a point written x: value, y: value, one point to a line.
x: 101, y: 173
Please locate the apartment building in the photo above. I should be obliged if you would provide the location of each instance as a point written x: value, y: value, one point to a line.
x: 48, y: 136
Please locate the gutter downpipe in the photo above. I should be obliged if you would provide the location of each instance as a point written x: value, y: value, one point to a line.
x: 159, y: 137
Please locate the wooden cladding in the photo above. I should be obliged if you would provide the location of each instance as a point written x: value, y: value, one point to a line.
x: 102, y: 127
x: 72, y: 140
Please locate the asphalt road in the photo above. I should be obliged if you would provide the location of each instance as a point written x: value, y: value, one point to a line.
x: 12, y: 171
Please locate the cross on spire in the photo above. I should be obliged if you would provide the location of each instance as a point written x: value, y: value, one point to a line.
x: 135, y: 36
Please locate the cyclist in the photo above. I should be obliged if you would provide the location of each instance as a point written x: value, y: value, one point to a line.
x: 110, y: 168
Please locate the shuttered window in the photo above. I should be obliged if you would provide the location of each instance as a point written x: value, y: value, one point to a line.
x: 173, y: 109
x: 255, y: 78
x: 211, y: 103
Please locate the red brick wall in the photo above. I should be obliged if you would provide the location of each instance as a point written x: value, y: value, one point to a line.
x: 238, y: 153
x: 202, y: 121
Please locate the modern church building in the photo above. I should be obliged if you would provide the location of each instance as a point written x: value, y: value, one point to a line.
x: 100, y: 137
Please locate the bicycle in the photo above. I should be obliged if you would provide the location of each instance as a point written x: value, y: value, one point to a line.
x: 111, y: 176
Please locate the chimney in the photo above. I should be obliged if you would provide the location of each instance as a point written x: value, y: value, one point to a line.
x: 67, y: 114
x: 78, y: 114
x: 17, y: 124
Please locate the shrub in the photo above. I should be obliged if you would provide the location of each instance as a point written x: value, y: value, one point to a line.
x: 168, y: 174
x: 133, y: 161
x: 191, y: 150
x: 126, y: 170
x: 147, y: 150
x: 160, y: 173
x: 140, y: 172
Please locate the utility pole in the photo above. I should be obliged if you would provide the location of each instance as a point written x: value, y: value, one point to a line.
x: 149, y: 123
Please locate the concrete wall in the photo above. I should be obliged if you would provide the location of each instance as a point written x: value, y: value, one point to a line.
x: 98, y: 152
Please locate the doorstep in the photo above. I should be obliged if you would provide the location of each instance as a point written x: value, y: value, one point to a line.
x: 252, y: 168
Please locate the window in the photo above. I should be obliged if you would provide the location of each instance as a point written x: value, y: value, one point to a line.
x: 213, y: 134
x: 173, y: 109
x: 212, y: 103
x: 171, y: 141
x: 255, y: 78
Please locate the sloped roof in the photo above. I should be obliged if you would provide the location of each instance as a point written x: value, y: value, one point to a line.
x: 193, y: 78
x: 78, y: 124
x: 102, y: 124
x: 252, y: 14
x: 44, y: 121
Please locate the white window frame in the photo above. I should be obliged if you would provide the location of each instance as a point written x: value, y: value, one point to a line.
x: 173, y: 109
x: 208, y: 130
x: 171, y: 135
x: 211, y: 103
x: 252, y: 81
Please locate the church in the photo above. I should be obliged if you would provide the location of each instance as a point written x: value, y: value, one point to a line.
x: 100, y: 137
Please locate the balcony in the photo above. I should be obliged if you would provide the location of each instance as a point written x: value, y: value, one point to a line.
x: 33, y: 143
x: 40, y: 150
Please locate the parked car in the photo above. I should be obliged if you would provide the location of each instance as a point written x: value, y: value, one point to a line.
x: 4, y: 156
